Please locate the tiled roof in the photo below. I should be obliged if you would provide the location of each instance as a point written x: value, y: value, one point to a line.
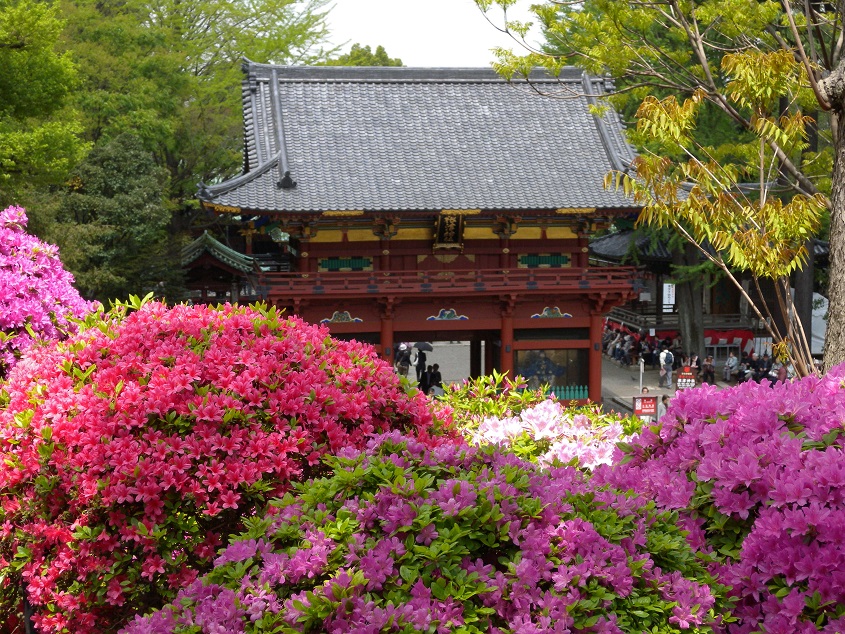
x: 219, y: 251
x: 625, y: 245
x: 371, y: 138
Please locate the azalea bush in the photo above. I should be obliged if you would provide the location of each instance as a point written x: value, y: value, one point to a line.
x: 473, y: 400
x: 757, y: 473
x: 550, y: 433
x: 135, y: 447
x: 533, y: 424
x: 37, y: 297
x: 406, y: 538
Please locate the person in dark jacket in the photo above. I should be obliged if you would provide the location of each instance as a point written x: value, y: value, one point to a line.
x: 436, y: 378
x: 420, y: 364
x: 403, y: 360
x: 708, y: 371
x: 425, y: 380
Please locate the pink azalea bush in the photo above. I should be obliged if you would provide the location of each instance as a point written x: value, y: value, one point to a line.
x: 405, y: 538
x: 131, y: 450
x: 757, y: 473
x: 37, y: 296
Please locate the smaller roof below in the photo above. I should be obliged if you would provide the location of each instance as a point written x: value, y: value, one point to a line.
x: 206, y: 243
x: 626, y: 245
x: 629, y: 244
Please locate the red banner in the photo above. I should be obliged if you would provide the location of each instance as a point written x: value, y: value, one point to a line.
x: 645, y: 406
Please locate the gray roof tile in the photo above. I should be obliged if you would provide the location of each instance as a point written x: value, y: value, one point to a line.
x: 395, y: 139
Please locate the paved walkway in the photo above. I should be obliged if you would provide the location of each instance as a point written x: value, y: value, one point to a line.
x: 620, y: 384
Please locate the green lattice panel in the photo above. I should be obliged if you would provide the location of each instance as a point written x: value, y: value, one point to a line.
x: 346, y: 264
x: 545, y: 260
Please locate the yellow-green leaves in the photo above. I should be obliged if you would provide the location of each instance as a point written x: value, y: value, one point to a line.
x: 667, y: 121
x: 758, y: 80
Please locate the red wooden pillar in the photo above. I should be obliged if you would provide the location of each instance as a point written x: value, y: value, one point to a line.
x: 504, y: 254
x: 595, y: 358
x: 506, y: 336
x: 387, y: 331
x: 305, y: 260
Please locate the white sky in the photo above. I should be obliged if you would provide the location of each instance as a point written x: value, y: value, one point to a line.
x: 434, y: 33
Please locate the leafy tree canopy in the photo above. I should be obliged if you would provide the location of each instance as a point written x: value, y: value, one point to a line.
x: 113, y: 224
x: 364, y: 56
x: 39, y: 139
x: 756, y: 64
x: 169, y: 71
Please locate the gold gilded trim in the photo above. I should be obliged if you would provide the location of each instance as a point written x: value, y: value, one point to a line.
x: 343, y: 213
x: 222, y: 209
x: 460, y: 212
x: 569, y: 211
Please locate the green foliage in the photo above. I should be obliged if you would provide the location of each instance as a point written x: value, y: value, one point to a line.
x: 364, y: 56
x: 407, y: 538
x: 738, y: 56
x: 493, y: 395
x: 112, y: 224
x: 168, y: 71
x: 766, y: 236
x: 39, y: 132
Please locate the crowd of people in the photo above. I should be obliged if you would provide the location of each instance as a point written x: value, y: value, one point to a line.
x: 429, y: 377
x: 668, y: 356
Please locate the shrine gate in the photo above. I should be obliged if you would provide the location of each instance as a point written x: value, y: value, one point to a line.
x: 408, y: 204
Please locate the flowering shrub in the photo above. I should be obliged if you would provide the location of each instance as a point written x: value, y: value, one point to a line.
x: 37, y: 297
x: 758, y: 475
x: 549, y: 433
x: 535, y: 426
x: 473, y: 400
x: 132, y: 448
x: 403, y: 538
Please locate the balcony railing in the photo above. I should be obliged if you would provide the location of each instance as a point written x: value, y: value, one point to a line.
x: 357, y: 283
x: 670, y: 321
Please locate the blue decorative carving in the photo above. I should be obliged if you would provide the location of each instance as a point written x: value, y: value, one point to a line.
x: 550, y: 312
x: 341, y: 317
x: 447, y: 314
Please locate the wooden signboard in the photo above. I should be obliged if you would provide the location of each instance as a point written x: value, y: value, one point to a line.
x: 685, y: 378
x: 645, y: 406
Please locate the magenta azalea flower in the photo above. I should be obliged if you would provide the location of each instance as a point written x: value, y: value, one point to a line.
x: 37, y: 296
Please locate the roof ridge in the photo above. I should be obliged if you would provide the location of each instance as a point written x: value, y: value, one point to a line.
x: 400, y: 74
x: 208, y: 191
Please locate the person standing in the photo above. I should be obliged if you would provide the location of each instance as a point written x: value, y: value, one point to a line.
x: 403, y: 360
x: 731, y: 364
x: 662, y: 406
x: 419, y: 366
x: 765, y: 367
x: 425, y: 380
x: 436, y: 379
x: 667, y: 360
x: 708, y: 371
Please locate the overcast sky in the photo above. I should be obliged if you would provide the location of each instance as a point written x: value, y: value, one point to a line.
x: 432, y: 33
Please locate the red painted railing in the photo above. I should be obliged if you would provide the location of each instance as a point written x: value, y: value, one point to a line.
x: 357, y: 283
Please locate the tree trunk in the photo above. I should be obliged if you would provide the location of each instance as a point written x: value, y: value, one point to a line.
x: 833, y: 89
x: 688, y: 299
